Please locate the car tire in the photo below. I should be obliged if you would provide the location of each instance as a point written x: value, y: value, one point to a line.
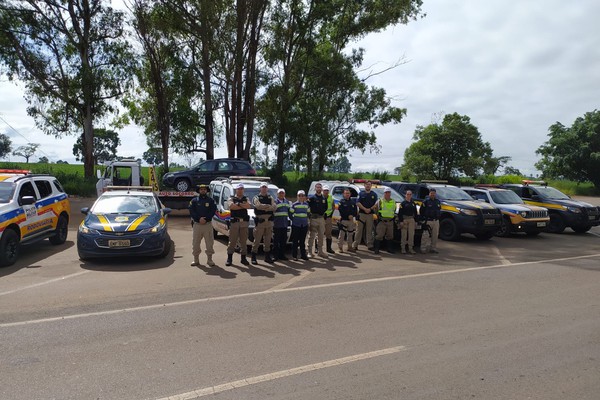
x: 449, y: 230
x: 182, y: 185
x: 504, y: 230
x: 557, y: 223
x: 166, y: 248
x: 9, y: 248
x: 62, y: 230
x: 581, y: 229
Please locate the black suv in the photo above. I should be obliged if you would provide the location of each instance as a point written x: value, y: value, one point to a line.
x: 460, y: 213
x: 207, y: 171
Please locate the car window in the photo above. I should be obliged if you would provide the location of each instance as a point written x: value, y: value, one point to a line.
x: 27, y: 190
x: 551, y: 193
x: 58, y: 186
x: 242, y: 166
x: 527, y: 193
x: 423, y: 192
x: 216, y: 191
x: 224, y: 166
x: 43, y: 188
x: 479, y: 196
x: 6, y: 191
x: 207, y: 166
x: 125, y: 204
x: 452, y: 193
x: 225, y: 197
x: 506, y: 197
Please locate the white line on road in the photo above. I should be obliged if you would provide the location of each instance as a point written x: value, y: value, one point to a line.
x: 44, y: 283
x: 291, y: 281
x: 503, y: 260
x: 194, y: 394
x: 312, y: 287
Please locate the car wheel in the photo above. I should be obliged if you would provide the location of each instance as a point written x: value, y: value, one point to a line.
x: 504, y: 230
x: 581, y: 229
x: 449, y: 230
x: 9, y: 248
x: 166, y: 248
x: 182, y: 185
x: 62, y: 229
x: 557, y: 224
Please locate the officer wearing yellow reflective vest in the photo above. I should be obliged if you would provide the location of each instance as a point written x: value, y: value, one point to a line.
x: 328, y: 219
x: 385, y: 225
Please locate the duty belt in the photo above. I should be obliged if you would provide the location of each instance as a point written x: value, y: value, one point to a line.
x: 387, y: 219
x: 235, y: 219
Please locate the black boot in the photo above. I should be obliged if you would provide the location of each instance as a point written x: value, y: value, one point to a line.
x: 329, y: 249
x: 390, y: 247
x: 244, y: 261
x: 282, y: 256
x: 229, y: 259
x: 254, y: 261
x: 268, y: 258
x: 376, y: 246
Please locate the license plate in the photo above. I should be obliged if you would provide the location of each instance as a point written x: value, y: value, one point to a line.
x: 540, y: 224
x: 489, y: 221
x: 118, y: 243
x: 592, y: 216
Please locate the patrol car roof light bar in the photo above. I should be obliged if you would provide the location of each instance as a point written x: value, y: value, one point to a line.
x: 15, y: 171
x: 250, y: 178
x: 486, y: 185
x: 140, y: 188
x: 433, y: 181
x: 376, y: 181
x: 527, y: 182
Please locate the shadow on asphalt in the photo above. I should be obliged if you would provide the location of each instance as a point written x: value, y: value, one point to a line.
x: 128, y: 264
x: 32, y: 254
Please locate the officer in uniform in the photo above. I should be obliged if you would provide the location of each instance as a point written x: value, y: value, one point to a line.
x: 238, y: 205
x: 328, y: 219
x: 202, y: 209
x: 347, y: 224
x: 430, y: 213
x: 407, y: 216
x: 299, y: 217
x: 367, y: 205
x: 280, y: 225
x: 385, y: 224
x: 317, y: 205
x: 264, y: 208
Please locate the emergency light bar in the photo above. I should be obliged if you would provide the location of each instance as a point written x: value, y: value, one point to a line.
x: 529, y: 182
x: 250, y: 178
x: 375, y: 181
x: 434, y: 181
x: 15, y: 171
x: 140, y: 188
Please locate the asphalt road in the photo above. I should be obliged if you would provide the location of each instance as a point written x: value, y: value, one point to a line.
x: 515, y: 318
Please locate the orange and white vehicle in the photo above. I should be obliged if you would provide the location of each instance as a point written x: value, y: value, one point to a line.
x: 32, y: 207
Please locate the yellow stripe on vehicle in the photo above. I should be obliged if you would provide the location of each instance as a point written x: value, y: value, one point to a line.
x: 105, y: 224
x: 4, y: 177
x: 449, y: 208
x: 134, y: 224
x: 547, y: 205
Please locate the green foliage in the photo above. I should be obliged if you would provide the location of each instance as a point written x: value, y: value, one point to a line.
x: 382, y: 175
x: 573, y: 153
x: 5, y: 145
x: 106, y: 142
x: 26, y: 151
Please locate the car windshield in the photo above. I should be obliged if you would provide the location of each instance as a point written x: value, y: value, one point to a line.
x: 126, y: 204
x: 6, y: 191
x: 551, y: 193
x: 398, y: 198
x: 505, y: 197
x: 251, y: 192
x: 452, y: 193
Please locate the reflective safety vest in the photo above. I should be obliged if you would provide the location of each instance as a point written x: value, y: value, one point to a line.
x: 329, y: 211
x: 387, y: 208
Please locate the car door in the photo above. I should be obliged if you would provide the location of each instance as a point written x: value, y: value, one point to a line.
x: 29, y: 223
x: 45, y: 205
x: 204, y: 173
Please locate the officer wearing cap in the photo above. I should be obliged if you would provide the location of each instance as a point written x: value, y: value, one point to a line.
x: 328, y: 218
x: 318, y: 206
x: 430, y: 213
x: 280, y: 225
x: 367, y: 205
x: 264, y: 208
x: 202, y: 209
x: 299, y: 217
x: 385, y: 226
x: 238, y: 205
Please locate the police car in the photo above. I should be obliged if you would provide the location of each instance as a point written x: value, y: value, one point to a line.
x: 124, y: 221
x: 222, y: 189
x: 32, y: 207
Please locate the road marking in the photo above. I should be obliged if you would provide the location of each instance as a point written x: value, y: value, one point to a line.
x: 194, y: 394
x: 291, y: 281
x: 44, y: 283
x: 295, y: 289
x: 503, y: 260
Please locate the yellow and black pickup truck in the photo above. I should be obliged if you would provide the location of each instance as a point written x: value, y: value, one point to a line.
x: 460, y: 212
x: 564, y: 211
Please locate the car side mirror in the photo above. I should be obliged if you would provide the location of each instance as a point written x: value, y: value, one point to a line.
x: 535, y: 197
x: 98, y: 174
x: 166, y: 211
x: 27, y: 200
x: 85, y: 210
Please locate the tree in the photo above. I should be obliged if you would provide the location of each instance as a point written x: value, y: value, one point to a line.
x: 73, y: 57
x: 26, y: 151
x: 341, y: 165
x: 153, y: 156
x: 508, y: 170
x: 43, y: 160
x: 5, y: 145
x: 573, y: 153
x: 105, y: 146
x: 491, y: 165
x: 446, y: 150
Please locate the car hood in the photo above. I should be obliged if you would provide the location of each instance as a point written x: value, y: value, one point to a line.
x: 122, y: 222
x: 569, y: 203
x: 468, y: 204
x: 519, y: 207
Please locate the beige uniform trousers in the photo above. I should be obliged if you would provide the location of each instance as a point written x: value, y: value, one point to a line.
x: 427, y: 243
x: 238, y: 231
x: 407, y: 233
x: 347, y: 233
x: 366, y: 224
x: 199, y: 232
x: 384, y: 229
x: 317, y: 228
x: 264, y: 232
x: 328, y: 227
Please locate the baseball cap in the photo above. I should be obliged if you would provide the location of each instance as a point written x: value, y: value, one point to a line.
x: 202, y: 186
x: 387, y: 189
x: 301, y: 192
x: 239, y: 186
x: 325, y: 187
x: 263, y: 184
x: 281, y: 190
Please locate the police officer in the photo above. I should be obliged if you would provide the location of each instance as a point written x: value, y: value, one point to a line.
x: 202, y: 209
x: 347, y: 224
x: 385, y: 225
x: 280, y: 225
x: 238, y: 205
x: 328, y: 219
x: 407, y: 216
x: 430, y: 213
x: 299, y: 217
x: 318, y: 205
x: 264, y: 208
x: 367, y: 205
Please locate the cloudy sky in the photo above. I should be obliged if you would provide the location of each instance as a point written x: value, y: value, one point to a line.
x: 514, y: 67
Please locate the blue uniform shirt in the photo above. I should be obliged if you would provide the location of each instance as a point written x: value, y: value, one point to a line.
x: 317, y: 204
x: 431, y: 209
x: 368, y: 200
x: 347, y: 208
x: 281, y: 214
x: 202, y: 206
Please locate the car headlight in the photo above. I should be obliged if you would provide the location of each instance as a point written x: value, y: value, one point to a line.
x: 576, y: 210
x: 86, y: 231
x: 156, y: 228
x: 467, y: 211
x: 523, y: 214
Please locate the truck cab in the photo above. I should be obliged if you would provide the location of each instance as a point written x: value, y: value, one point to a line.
x: 124, y: 172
